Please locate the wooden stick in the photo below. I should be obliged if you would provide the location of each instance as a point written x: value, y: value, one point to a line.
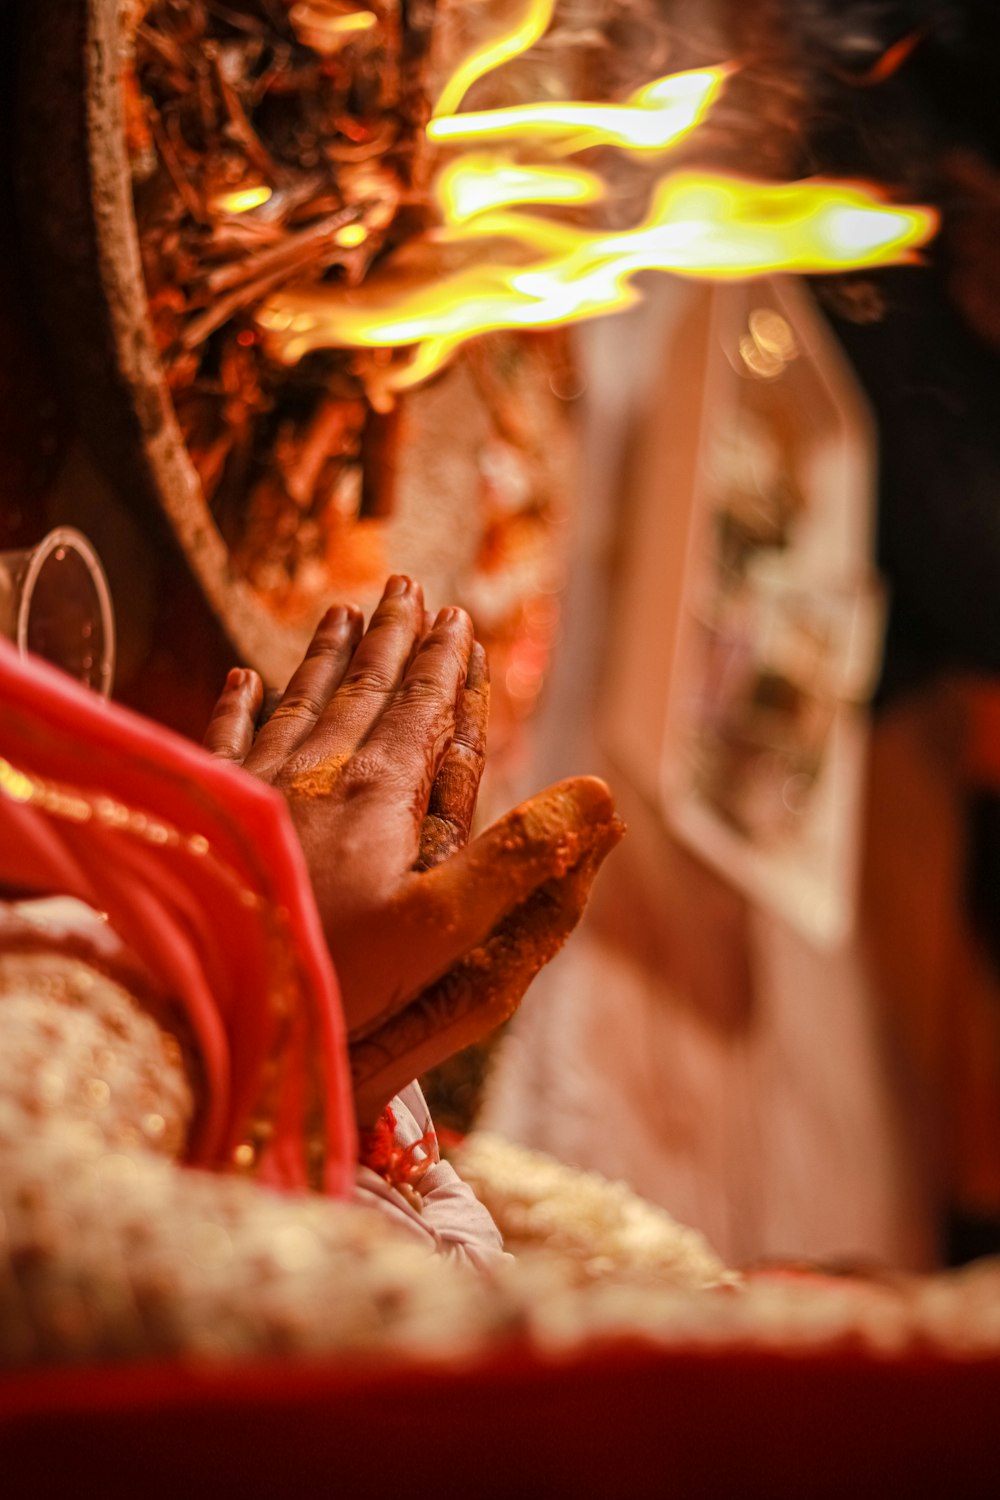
x: 294, y: 250
x: 322, y: 439
x: 168, y: 156
x: 252, y: 143
x: 282, y: 266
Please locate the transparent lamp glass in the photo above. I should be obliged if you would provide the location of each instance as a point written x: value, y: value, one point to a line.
x: 55, y: 603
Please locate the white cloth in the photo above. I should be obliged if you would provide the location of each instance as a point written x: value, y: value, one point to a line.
x: 451, y: 1220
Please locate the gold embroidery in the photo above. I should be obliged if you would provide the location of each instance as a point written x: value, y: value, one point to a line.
x: 289, y: 995
x: 14, y: 784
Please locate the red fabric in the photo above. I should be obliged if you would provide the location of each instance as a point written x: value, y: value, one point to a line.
x: 399, y: 1165
x: 618, y: 1422
x: 230, y: 931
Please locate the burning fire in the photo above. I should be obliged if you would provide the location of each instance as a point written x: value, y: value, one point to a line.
x: 540, y: 270
x: 656, y: 116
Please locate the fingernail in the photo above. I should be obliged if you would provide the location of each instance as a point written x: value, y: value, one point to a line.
x: 396, y: 585
x: 235, y: 679
x: 447, y: 616
x: 335, y: 617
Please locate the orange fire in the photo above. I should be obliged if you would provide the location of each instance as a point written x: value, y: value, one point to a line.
x: 495, y: 264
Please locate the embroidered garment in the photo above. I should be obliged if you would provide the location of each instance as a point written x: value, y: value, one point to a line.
x: 199, y: 871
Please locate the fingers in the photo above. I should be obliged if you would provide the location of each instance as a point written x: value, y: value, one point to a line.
x: 375, y: 673
x: 442, y: 914
x: 452, y: 805
x: 231, y: 728
x: 308, y: 692
x: 479, y: 993
x: 425, y: 629
x: 408, y: 743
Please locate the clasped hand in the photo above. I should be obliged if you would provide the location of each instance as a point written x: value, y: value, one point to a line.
x: 378, y: 745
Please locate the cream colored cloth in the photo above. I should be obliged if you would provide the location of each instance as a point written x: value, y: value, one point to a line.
x: 450, y: 1216
x: 109, y: 1246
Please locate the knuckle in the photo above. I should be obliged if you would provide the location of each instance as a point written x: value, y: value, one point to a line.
x: 424, y: 688
x: 295, y: 765
x: 226, y: 745
x: 326, y: 643
x: 367, y: 680
x: 468, y: 758
x: 442, y: 663
x: 449, y: 640
x: 389, y: 618
x: 390, y: 610
x: 365, y: 770
x: 302, y: 705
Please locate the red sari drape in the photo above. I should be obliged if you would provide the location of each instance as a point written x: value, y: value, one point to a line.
x: 198, y: 869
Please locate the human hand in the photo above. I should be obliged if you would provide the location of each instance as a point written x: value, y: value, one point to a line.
x: 378, y: 743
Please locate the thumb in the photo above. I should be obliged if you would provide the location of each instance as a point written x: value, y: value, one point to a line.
x: 480, y: 992
x: 439, y: 916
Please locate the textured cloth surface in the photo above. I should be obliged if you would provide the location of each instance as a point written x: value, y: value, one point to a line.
x: 198, y: 867
x: 110, y: 1247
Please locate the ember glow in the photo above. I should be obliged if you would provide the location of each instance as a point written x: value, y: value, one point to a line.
x: 499, y: 265
x: 242, y: 200
x: 327, y: 25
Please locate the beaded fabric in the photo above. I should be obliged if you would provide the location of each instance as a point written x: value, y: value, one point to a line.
x: 109, y: 1248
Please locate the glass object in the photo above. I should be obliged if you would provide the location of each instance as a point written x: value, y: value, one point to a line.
x: 55, y: 603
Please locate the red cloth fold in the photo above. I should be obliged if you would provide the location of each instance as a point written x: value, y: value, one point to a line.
x: 200, y: 872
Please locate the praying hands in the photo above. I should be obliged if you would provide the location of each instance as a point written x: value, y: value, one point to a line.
x: 378, y: 745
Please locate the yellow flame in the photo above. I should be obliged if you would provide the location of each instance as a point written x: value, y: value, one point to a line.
x: 653, y: 119
x: 475, y: 185
x: 524, y: 33
x: 542, y: 270
x: 242, y: 200
x: 702, y: 225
